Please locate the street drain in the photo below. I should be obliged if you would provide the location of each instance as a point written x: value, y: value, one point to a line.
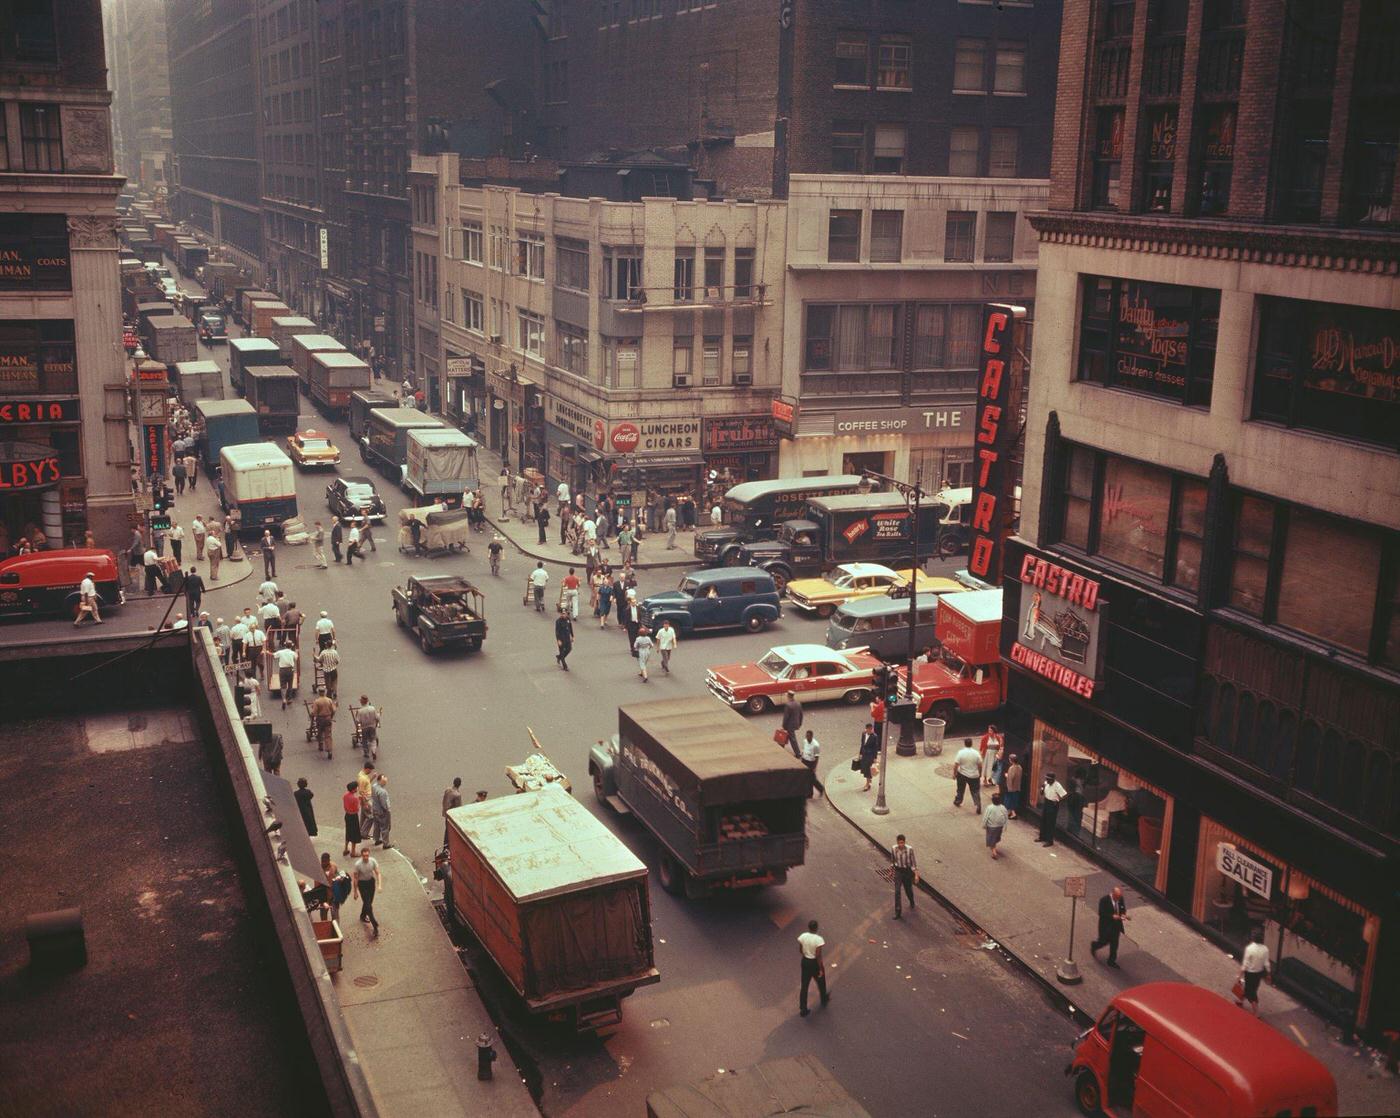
x: 367, y: 981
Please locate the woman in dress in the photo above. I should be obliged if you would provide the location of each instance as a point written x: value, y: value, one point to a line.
x: 994, y: 823
x: 643, y: 646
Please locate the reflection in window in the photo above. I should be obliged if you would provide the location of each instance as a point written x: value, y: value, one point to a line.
x: 1133, y: 524
x: 1316, y: 548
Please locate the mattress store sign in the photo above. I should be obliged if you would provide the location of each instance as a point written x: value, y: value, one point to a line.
x: 652, y: 436
x: 1238, y: 866
x: 1057, y: 634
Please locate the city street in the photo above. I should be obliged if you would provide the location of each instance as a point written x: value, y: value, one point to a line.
x: 978, y: 1028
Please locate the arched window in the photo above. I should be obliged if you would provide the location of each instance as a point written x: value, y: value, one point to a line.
x: 1265, y: 735
x: 1329, y: 767
x: 1244, y: 738
x: 1305, y: 768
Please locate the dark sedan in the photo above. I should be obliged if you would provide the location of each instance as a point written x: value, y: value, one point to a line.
x: 355, y: 497
x: 212, y: 329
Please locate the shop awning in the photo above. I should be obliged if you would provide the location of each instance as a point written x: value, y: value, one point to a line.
x: 588, y: 454
x: 643, y: 462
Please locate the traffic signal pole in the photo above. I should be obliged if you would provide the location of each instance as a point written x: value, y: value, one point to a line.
x: 882, y: 808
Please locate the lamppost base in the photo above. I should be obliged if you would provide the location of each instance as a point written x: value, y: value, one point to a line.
x: 880, y: 808
x: 1067, y: 973
x: 906, y: 747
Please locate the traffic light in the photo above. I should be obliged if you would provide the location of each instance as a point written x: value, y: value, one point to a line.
x: 160, y: 522
x: 883, y: 681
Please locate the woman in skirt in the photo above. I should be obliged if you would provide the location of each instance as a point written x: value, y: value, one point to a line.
x: 350, y: 802
x: 994, y: 823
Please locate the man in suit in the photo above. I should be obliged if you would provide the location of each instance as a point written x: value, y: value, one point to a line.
x: 1113, y: 911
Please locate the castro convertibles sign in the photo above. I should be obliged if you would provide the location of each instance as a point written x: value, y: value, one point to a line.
x: 1003, y: 329
x: 1058, y: 626
x: 649, y: 436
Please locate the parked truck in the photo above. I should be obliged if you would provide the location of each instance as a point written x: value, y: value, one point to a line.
x: 245, y: 295
x: 222, y: 423
x: 272, y: 390
x: 170, y: 339
x: 729, y: 809
x: 754, y: 509
x: 199, y: 380
x: 248, y: 353
x: 334, y: 375
x: 261, y: 314
x: 849, y: 528
x: 302, y: 347
x: 256, y: 482
x: 284, y: 327
x: 385, y: 445
x: 556, y: 900
x: 440, y: 464
x: 968, y: 677
x: 361, y: 404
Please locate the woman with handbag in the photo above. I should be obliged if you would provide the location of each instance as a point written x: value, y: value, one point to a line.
x: 1254, y: 967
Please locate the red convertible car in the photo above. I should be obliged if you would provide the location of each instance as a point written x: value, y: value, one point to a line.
x: 815, y: 672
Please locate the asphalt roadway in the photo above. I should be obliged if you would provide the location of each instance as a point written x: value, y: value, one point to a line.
x: 923, y: 1019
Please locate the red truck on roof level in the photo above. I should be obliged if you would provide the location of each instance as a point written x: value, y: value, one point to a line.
x: 968, y: 676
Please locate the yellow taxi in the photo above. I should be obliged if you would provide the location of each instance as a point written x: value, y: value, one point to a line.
x: 822, y: 596
x: 311, y: 449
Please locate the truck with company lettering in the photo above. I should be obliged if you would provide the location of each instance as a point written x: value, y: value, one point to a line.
x: 754, y: 509
x: 257, y: 483
x: 385, y: 444
x: 968, y: 676
x: 728, y: 809
x: 333, y: 377
x: 847, y: 528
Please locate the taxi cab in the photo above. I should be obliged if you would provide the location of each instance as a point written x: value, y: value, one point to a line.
x: 822, y: 596
x: 44, y: 583
x: 312, y: 449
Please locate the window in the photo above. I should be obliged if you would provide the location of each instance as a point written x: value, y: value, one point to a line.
x: 851, y: 337
x: 38, y: 357
x: 1118, y: 18
x: 964, y: 152
x: 34, y: 252
x: 1003, y: 162
x: 498, y: 247
x: 529, y: 256
x: 472, y: 312
x: 573, y: 347
x: 1078, y: 497
x: 622, y: 273
x: 1000, y: 237
x: 1216, y: 128
x: 622, y: 362
x: 1154, y: 338
x: 1010, y: 75
x: 449, y: 305
x: 743, y: 273
x: 709, y: 360
x: 682, y: 355
x: 571, y: 263
x: 684, y: 283
x: 970, y: 66
x: 1326, y: 367
x: 886, y: 236
x: 531, y: 332
x: 714, y: 272
x: 40, y: 137
x: 1160, y: 126
x: 891, y: 143
x: 896, y: 54
x: 946, y: 336
x: 847, y: 148
x: 852, y: 59
x: 1303, y: 161
x: 741, y: 359
x: 959, y: 236
x: 1108, y: 158
x: 843, y: 236
x: 1369, y: 174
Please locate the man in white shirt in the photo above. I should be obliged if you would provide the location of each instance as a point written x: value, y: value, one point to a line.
x: 325, y: 630
x: 666, y: 643
x: 151, y: 561
x: 590, y: 531
x: 539, y: 579
x: 286, y: 658
x: 269, y: 613
x: 352, y: 545
x: 1052, y: 792
x: 267, y: 592
x: 238, y: 637
x: 810, y: 945
x: 716, y: 516
x: 562, y: 495
x: 87, y: 594
x: 811, y: 754
x: 967, y: 767
x: 256, y: 640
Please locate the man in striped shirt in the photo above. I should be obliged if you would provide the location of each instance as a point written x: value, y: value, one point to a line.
x: 906, y: 873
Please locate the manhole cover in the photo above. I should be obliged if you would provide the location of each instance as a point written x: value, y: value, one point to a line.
x: 929, y: 959
x: 945, y: 771
x: 367, y: 980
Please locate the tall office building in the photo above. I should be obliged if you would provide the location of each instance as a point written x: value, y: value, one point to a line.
x: 138, y: 61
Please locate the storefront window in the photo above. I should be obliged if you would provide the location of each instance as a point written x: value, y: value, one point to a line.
x: 1161, y: 159
x: 34, y: 252
x: 1134, y: 517
x: 38, y: 358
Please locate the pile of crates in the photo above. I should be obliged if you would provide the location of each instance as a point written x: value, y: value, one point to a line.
x: 735, y: 828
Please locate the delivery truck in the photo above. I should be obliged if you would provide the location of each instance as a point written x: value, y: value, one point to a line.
x: 245, y: 295
x: 246, y: 353
x: 440, y: 464
x: 256, y: 482
x: 302, y: 347
x: 848, y: 528
x: 728, y: 808
x: 261, y: 314
x: 199, y: 380
x: 361, y: 404
x: 170, y: 338
x: 385, y: 445
x: 333, y: 376
x: 283, y: 327
x: 754, y: 509
x: 222, y: 423
x: 272, y: 390
x: 556, y: 900
x: 968, y: 676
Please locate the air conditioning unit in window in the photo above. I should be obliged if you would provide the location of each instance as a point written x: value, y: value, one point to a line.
x: 495, y: 339
x: 743, y: 378
x: 680, y: 380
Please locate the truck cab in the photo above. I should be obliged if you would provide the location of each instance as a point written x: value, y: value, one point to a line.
x: 442, y: 611
x: 968, y: 676
x: 794, y: 553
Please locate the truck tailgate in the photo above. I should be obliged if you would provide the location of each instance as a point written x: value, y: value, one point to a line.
x: 770, y: 851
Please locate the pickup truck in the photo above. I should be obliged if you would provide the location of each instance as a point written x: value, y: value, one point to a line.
x: 728, y: 807
x: 968, y: 677
x: 442, y: 611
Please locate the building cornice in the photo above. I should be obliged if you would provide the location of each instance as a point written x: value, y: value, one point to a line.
x: 1289, y: 246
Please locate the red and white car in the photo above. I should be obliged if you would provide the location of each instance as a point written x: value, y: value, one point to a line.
x: 815, y: 672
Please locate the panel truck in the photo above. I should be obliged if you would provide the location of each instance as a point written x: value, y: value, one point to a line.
x: 257, y: 483
x: 171, y: 338
x: 385, y: 444
x: 754, y: 509
x: 333, y: 377
x: 272, y: 390
x: 440, y: 465
x: 302, y: 347
x: 283, y: 327
x: 556, y: 900
x: 727, y: 806
x: 361, y: 404
x: 262, y: 312
x: 968, y: 677
x: 246, y: 353
x: 224, y: 423
x: 199, y: 380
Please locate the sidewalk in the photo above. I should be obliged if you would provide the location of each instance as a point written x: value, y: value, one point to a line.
x: 1018, y: 902
x: 524, y: 535
x: 410, y: 1006
x: 204, y: 502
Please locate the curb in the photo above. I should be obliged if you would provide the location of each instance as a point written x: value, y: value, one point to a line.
x: 578, y: 560
x: 1051, y: 989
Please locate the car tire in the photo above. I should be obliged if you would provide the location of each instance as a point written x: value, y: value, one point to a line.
x: 398, y: 617
x: 672, y: 875
x: 780, y: 580
x: 856, y: 697
x: 755, y: 623
x: 424, y: 643
x: 731, y: 557
x: 1087, y: 1095
x: 757, y: 704
x: 948, y: 547
x: 945, y: 710
x: 598, y: 790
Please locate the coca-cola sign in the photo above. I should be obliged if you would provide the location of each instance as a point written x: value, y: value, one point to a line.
x: 625, y: 437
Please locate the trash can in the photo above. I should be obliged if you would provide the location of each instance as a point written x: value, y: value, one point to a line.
x: 933, y: 736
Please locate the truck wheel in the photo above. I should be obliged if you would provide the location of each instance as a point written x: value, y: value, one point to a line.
x: 856, y: 697
x: 780, y: 580
x: 825, y: 611
x: 599, y: 793
x: 1086, y: 1094
x: 672, y: 875
x: 948, y: 546
x: 755, y: 623
x: 425, y: 643
x: 945, y: 710
x: 757, y: 704
x: 732, y: 558
x: 398, y: 617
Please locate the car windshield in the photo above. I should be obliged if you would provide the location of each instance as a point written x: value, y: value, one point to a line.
x: 359, y: 491
x: 774, y: 665
x: 688, y: 587
x: 843, y: 582
x: 315, y: 444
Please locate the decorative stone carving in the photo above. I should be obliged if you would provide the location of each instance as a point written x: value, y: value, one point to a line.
x: 92, y: 232
x: 87, y: 147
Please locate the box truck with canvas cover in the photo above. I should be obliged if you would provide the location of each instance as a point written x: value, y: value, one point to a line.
x: 440, y: 465
x: 303, y: 346
x: 333, y: 377
x: 199, y: 380
x: 256, y: 482
x: 248, y: 353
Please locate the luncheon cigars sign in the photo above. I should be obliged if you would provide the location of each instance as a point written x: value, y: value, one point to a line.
x: 648, y: 436
x: 996, y: 429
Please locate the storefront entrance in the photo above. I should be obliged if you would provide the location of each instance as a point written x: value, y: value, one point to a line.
x: 875, y: 461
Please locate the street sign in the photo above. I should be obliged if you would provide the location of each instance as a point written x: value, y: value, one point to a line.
x: 1074, y: 887
x: 160, y: 523
x: 143, y: 502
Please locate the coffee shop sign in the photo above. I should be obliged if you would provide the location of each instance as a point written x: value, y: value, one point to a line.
x: 900, y: 420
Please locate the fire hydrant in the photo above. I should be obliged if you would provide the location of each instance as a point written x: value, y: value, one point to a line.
x: 485, y: 1056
